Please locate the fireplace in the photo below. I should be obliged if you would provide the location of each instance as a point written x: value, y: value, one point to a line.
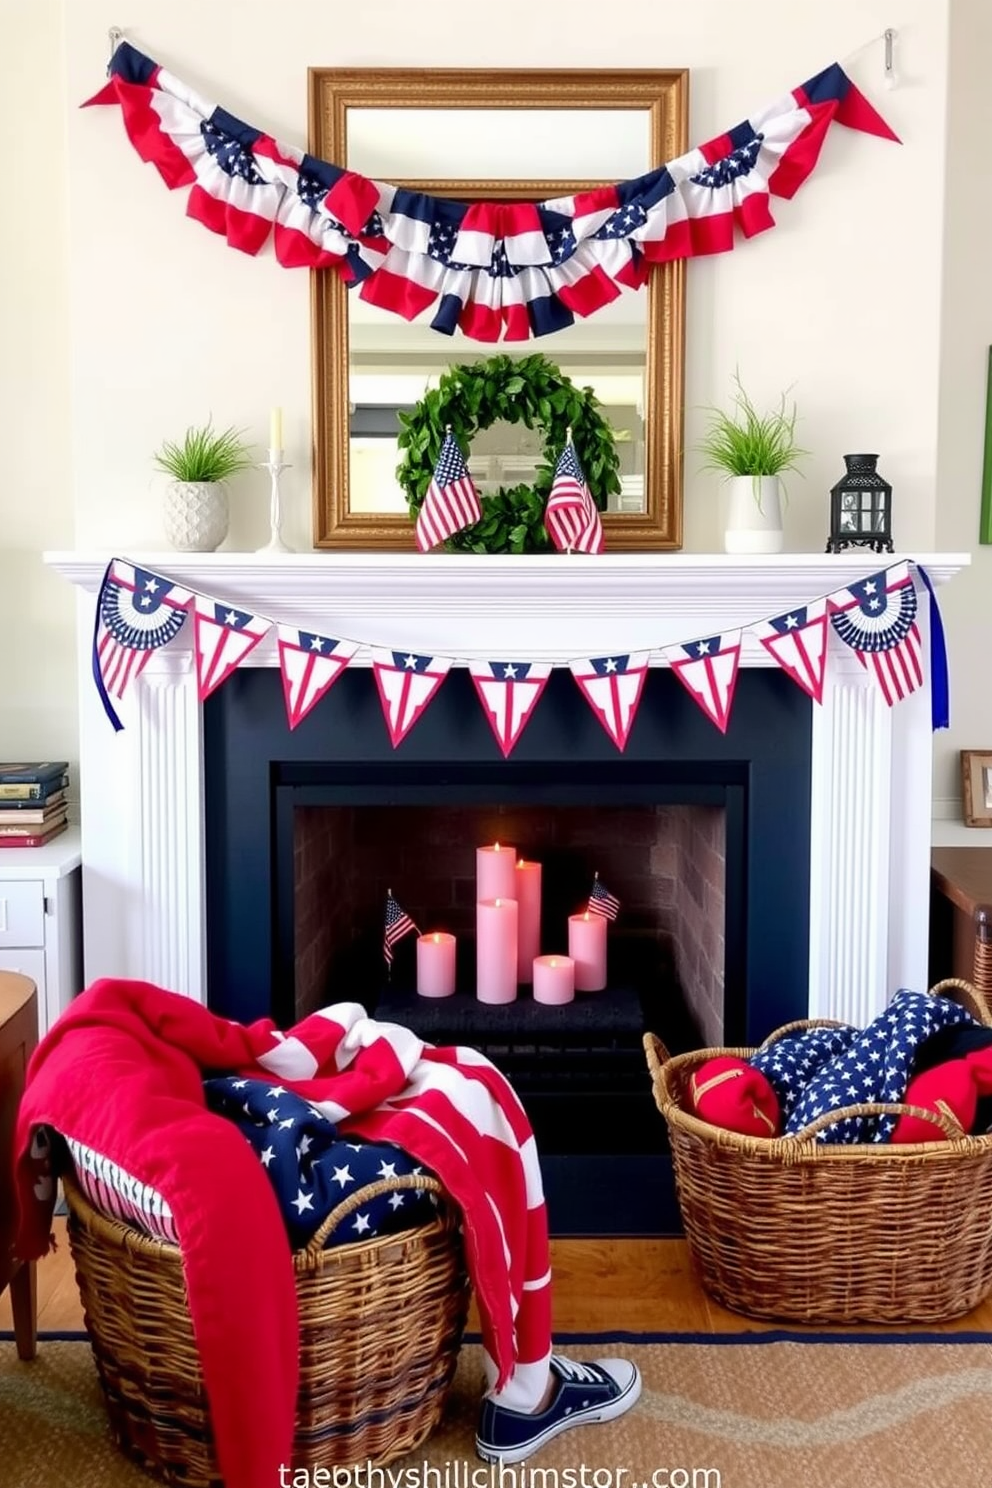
x: 821, y: 813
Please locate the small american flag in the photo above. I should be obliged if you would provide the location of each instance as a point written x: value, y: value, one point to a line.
x: 452, y: 501
x: 398, y: 924
x: 602, y: 902
x: 571, y: 516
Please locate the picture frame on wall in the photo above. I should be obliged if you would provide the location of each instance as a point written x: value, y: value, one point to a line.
x: 976, y: 787
x: 985, y: 521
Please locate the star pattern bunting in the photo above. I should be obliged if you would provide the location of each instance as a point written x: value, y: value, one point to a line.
x: 312, y: 1166
x: 406, y: 684
x: 846, y: 1067
x: 612, y: 686
x: 310, y: 665
x: 798, y: 642
x: 707, y: 670
x: 877, y: 619
x: 490, y: 270
x: 224, y: 637
x: 508, y: 692
x: 137, y: 612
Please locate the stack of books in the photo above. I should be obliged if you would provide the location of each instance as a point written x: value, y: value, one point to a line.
x: 32, y: 803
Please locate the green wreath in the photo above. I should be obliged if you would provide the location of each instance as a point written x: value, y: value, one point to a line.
x: 528, y: 389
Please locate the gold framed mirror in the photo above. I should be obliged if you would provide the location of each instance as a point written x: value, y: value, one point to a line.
x: 538, y: 135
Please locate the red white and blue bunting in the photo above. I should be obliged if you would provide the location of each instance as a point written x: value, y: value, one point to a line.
x: 491, y: 270
x: 139, y: 611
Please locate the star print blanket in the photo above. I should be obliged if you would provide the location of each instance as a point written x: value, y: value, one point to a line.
x: 824, y: 1069
x: 311, y: 1167
x: 122, y: 1072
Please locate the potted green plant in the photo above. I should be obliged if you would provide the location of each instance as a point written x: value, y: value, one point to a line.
x: 752, y: 450
x: 196, y: 509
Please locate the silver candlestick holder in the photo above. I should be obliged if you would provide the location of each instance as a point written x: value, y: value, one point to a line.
x: 275, y: 465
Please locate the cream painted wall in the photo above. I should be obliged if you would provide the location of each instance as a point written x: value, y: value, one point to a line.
x: 965, y: 340
x: 841, y: 302
x: 37, y: 610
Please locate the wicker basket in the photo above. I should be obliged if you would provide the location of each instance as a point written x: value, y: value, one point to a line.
x: 381, y: 1324
x: 793, y: 1229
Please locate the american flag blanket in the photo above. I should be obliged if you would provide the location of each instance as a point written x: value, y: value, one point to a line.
x: 820, y: 1070
x: 122, y: 1072
x: 491, y: 270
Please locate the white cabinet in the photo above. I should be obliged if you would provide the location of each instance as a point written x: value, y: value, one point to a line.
x: 41, y: 920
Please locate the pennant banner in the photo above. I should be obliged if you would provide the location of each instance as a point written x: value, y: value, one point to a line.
x: 877, y: 619
x: 139, y: 611
x: 406, y: 685
x: 612, y: 686
x: 309, y: 664
x: 508, y: 692
x: 224, y: 637
x: 708, y: 670
x: 136, y: 613
x: 488, y: 269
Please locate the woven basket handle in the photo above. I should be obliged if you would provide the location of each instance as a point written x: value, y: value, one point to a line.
x: 656, y: 1054
x: 951, y: 1128
x: 965, y: 994
x: 417, y: 1182
x: 800, y: 1025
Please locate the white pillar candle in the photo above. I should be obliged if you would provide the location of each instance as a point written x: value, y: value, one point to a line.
x: 495, y: 871
x: 528, y: 896
x: 436, y: 964
x: 275, y: 429
x: 554, y: 979
x: 496, y: 950
x: 587, y: 948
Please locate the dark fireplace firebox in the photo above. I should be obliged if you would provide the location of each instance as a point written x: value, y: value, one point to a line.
x: 703, y: 837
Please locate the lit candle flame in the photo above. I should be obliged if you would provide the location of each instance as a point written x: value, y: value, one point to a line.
x: 498, y: 903
x: 437, y: 940
x: 520, y: 862
x: 553, y: 961
x: 586, y: 915
x: 496, y: 848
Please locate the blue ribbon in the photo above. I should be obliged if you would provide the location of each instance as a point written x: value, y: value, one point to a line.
x: 97, y: 673
x: 939, y: 681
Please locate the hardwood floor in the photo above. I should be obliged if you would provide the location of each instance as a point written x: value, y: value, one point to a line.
x: 635, y: 1286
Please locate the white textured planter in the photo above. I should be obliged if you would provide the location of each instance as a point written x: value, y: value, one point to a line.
x: 754, y: 515
x: 196, y: 515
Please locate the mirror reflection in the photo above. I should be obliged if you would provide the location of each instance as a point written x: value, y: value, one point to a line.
x: 392, y: 365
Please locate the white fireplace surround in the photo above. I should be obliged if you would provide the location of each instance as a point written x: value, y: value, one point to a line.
x: 142, y: 789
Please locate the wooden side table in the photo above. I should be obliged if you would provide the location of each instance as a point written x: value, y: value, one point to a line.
x: 18, y: 1036
x: 961, y: 916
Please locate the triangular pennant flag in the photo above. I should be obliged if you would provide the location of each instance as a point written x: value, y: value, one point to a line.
x: 406, y: 684
x: 137, y: 612
x: 508, y: 691
x: 877, y: 619
x: 224, y: 636
x: 612, y: 686
x: 708, y: 670
x: 310, y: 664
x: 798, y: 642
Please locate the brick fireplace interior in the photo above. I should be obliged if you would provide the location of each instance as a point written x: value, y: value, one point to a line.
x: 703, y: 837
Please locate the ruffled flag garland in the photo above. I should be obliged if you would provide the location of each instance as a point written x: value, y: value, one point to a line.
x: 488, y: 269
x: 139, y: 611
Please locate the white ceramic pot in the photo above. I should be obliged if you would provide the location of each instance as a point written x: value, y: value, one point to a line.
x: 196, y: 515
x: 754, y: 514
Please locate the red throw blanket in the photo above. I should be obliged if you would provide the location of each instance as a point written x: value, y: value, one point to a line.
x: 122, y: 1073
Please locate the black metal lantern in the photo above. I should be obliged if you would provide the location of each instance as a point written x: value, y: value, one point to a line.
x: 860, y: 508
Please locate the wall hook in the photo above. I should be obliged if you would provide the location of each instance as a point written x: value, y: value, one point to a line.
x: 890, y: 66
x: 116, y: 36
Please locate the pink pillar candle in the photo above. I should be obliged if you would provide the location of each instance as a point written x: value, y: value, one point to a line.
x: 554, y: 979
x: 496, y: 950
x: 436, y: 964
x: 587, y: 948
x: 528, y: 897
x: 495, y: 871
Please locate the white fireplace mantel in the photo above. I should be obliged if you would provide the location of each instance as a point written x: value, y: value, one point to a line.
x: 142, y: 788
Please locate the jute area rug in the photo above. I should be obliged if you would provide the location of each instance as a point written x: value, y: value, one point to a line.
x: 759, y: 1410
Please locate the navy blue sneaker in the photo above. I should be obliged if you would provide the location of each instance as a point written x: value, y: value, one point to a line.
x: 584, y: 1393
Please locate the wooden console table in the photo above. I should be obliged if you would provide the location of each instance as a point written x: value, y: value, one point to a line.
x: 18, y: 1036
x: 961, y: 916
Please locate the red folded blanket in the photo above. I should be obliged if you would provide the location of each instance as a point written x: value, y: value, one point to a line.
x: 122, y: 1072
